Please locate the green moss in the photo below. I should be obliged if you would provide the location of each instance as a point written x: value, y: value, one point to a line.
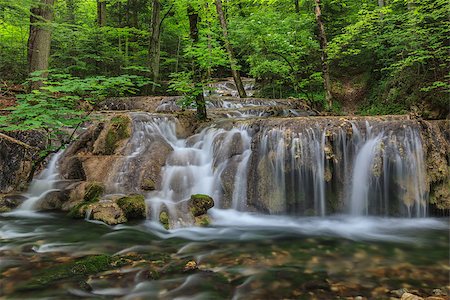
x: 148, y: 184
x: 118, y: 130
x: 199, y: 204
x: 202, y: 220
x: 93, y: 191
x: 133, y: 206
x: 78, y: 211
x: 164, y: 219
x: 79, y: 268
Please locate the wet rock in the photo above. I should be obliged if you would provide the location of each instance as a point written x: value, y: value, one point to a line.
x: 203, y: 220
x: 74, y: 169
x: 111, y: 138
x: 81, y: 196
x: 53, y: 200
x: 133, y: 206
x: 409, y: 296
x: 227, y: 179
x: 440, y: 196
x: 154, y: 160
x: 164, y: 219
x: 10, y: 202
x: 108, y: 212
x: 199, y: 204
x: 18, y: 150
x: 148, y: 184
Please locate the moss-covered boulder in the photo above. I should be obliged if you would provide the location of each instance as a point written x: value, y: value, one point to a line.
x: 133, y: 206
x: 199, y: 204
x: 203, y: 220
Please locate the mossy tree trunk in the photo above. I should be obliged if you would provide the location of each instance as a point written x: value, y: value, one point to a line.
x: 101, y: 13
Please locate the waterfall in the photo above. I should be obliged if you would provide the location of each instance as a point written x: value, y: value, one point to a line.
x: 43, y: 184
x: 361, y: 177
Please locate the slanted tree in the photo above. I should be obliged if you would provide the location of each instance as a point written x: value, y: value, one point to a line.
x: 234, y: 71
x: 323, y: 47
x: 39, y: 39
x: 197, y: 78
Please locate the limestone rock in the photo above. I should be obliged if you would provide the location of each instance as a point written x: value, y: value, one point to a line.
x: 108, y: 212
x: 111, y: 138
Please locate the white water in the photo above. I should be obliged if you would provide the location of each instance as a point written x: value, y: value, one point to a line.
x: 361, y: 177
x: 43, y: 184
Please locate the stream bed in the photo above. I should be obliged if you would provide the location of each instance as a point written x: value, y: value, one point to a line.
x: 239, y: 256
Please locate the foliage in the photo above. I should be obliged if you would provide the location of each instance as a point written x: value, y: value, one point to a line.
x: 183, y: 84
x: 57, y: 106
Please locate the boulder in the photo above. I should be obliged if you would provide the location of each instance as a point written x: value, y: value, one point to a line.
x: 108, y: 212
x: 18, y: 150
x: 10, y: 202
x: 199, y: 204
x: 133, y: 206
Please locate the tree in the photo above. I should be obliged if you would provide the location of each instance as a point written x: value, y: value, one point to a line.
x: 155, y: 44
x: 324, y: 59
x: 234, y: 70
x: 40, y: 38
x: 194, y: 35
x: 101, y: 13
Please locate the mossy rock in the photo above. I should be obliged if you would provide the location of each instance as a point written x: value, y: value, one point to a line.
x: 148, y: 184
x: 133, y: 206
x: 78, y: 211
x: 93, y: 191
x: 203, y: 220
x: 440, y: 196
x: 117, y: 131
x: 164, y: 219
x: 199, y: 204
x: 108, y: 212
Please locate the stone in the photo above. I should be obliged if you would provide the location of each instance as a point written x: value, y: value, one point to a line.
x: 164, y: 219
x: 18, y: 150
x: 202, y: 221
x: 93, y: 191
x: 74, y: 169
x: 113, y: 135
x: 108, y: 212
x: 133, y: 206
x: 199, y: 204
x: 409, y: 296
x: 148, y: 184
x: 10, y: 202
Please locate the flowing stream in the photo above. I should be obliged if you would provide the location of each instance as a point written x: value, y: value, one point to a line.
x: 315, y: 212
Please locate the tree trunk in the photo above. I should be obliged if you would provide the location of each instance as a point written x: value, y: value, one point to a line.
x: 324, y: 58
x: 39, y: 39
x: 155, y: 44
x: 297, y: 6
x: 381, y: 3
x: 70, y: 5
x: 234, y: 71
x: 193, y: 33
x: 101, y: 13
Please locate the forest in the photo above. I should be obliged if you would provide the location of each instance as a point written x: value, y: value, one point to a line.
x: 224, y: 149
x: 362, y: 57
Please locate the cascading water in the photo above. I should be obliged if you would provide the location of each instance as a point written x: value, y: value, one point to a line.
x: 42, y: 184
